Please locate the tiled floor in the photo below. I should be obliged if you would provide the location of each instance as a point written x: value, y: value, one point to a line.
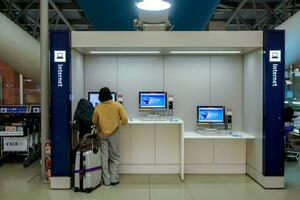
x: 23, y: 184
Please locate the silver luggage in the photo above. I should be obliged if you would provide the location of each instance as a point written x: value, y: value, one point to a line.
x: 88, y: 169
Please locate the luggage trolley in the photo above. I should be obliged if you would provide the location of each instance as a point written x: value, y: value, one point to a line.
x: 20, y: 133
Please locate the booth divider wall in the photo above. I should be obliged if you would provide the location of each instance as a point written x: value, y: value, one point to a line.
x: 77, y: 79
x: 253, y: 108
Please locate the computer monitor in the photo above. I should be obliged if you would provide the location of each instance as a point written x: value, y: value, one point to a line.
x: 210, y: 114
x: 152, y: 101
x: 94, y: 97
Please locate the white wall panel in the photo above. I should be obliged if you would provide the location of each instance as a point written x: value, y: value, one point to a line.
x: 253, y: 107
x: 143, y: 147
x: 227, y: 86
x: 167, y: 143
x: 230, y: 151
x: 199, y: 151
x: 138, y: 73
x: 187, y: 78
x: 77, y: 79
x: 100, y: 71
x: 125, y: 145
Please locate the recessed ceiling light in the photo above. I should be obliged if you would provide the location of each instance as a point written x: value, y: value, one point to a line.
x: 153, y: 5
x: 205, y: 52
x: 124, y: 52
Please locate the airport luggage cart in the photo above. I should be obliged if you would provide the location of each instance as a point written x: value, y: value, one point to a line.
x: 20, y: 133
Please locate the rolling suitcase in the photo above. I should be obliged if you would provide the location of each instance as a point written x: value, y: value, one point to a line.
x: 88, y: 169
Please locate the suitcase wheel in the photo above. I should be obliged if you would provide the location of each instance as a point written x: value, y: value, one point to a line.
x: 26, y: 162
x: 88, y: 190
x: 76, y: 189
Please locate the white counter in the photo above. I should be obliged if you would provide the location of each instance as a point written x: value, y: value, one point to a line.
x: 152, y: 147
x: 162, y: 147
x: 140, y: 121
x: 215, y: 154
x: 195, y: 135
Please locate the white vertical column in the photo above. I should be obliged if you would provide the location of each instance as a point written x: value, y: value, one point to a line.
x: 21, y: 89
x: 44, y: 42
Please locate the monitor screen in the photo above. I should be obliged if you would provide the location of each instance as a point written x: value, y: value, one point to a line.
x: 93, y: 97
x: 152, y: 100
x: 210, y: 114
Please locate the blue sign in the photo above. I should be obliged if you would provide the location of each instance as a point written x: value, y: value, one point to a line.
x: 273, y: 102
x: 13, y: 109
x: 60, y: 108
x: 35, y: 109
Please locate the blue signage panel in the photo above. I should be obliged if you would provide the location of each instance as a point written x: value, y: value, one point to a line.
x: 18, y: 109
x: 35, y: 109
x: 273, y: 102
x: 60, y: 108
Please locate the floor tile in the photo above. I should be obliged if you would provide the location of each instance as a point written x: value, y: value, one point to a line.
x: 18, y: 183
x: 168, y: 187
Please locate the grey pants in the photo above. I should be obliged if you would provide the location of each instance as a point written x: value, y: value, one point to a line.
x: 110, y: 157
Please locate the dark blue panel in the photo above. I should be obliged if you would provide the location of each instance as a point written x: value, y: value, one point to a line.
x: 118, y: 15
x: 192, y: 15
x: 60, y: 57
x: 273, y: 103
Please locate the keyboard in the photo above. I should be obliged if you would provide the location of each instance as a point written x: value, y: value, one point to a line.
x: 213, y: 132
x: 154, y: 119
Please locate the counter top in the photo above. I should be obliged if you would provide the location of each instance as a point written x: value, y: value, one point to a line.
x: 195, y: 135
x: 171, y: 120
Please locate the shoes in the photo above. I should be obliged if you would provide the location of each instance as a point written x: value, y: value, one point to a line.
x: 114, y: 183
x: 107, y: 184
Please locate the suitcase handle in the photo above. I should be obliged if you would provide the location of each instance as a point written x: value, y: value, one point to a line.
x: 93, y: 133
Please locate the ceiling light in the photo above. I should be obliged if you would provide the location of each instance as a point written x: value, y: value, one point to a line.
x: 153, y: 5
x: 205, y: 52
x: 124, y: 52
x: 296, y: 102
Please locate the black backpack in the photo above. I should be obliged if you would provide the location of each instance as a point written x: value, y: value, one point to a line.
x: 82, y: 120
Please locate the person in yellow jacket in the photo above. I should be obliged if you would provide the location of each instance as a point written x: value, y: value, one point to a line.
x: 108, y: 116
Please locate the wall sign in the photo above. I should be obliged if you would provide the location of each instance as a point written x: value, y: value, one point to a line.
x: 60, y: 106
x: 15, y: 144
x: 59, y: 56
x: 13, y: 109
x: 273, y: 103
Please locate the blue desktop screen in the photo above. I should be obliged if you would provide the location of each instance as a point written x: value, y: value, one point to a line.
x: 93, y: 98
x: 210, y: 114
x: 288, y: 94
x: 153, y: 100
